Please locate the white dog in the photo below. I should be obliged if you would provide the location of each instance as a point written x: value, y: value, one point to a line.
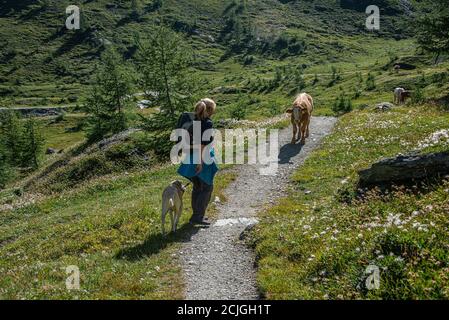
x: 172, y: 202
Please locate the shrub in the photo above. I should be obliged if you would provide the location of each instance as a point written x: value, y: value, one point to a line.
x: 370, y: 82
x: 336, y: 77
x: 248, y: 60
x: 274, y: 110
x: 342, y: 104
x: 357, y: 93
x: 72, y: 99
x: 238, y: 111
x: 440, y: 78
x: 418, y: 96
x: 60, y: 117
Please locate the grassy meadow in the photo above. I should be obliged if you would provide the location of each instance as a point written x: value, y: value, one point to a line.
x: 318, y: 242
x: 109, y: 228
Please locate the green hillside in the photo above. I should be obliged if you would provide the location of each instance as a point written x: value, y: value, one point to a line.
x: 43, y: 63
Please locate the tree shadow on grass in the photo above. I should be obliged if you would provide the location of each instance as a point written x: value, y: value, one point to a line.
x: 9, y: 8
x: 155, y: 243
x: 288, y: 152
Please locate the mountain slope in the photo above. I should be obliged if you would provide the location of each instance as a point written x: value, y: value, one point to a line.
x: 43, y: 63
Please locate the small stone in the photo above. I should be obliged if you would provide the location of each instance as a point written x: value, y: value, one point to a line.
x: 415, y: 213
x: 384, y: 106
x: 51, y: 151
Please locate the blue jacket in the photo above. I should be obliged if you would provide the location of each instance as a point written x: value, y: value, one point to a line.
x: 188, y: 168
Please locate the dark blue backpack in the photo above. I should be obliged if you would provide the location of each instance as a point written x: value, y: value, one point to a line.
x: 185, y: 122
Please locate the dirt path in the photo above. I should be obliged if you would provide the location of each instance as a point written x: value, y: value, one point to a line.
x: 217, y: 265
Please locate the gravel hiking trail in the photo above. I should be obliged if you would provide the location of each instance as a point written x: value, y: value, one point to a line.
x: 217, y: 264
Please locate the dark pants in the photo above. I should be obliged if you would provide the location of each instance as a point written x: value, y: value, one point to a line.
x: 201, y: 195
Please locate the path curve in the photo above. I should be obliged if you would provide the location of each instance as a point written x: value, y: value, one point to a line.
x: 217, y: 265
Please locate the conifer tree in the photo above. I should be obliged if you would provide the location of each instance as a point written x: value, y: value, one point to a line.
x: 433, y: 26
x: 109, y: 98
x: 169, y: 82
x: 32, y: 144
x: 11, y: 129
x: 5, y: 168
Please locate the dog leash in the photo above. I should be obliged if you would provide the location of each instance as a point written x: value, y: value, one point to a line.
x: 188, y: 184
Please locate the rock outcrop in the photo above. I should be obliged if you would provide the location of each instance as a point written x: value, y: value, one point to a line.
x: 405, y: 169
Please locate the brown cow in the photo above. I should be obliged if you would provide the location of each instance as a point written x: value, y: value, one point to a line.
x: 405, y: 95
x: 301, y: 113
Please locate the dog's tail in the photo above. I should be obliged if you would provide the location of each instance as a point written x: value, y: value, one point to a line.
x: 172, y: 204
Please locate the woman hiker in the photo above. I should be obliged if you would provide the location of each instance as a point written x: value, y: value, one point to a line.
x: 199, y: 171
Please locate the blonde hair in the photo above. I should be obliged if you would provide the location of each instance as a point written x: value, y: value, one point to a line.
x: 205, y: 108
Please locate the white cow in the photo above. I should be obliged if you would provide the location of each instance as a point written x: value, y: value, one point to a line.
x: 398, y: 92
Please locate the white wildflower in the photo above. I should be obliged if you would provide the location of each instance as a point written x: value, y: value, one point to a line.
x: 437, y: 138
